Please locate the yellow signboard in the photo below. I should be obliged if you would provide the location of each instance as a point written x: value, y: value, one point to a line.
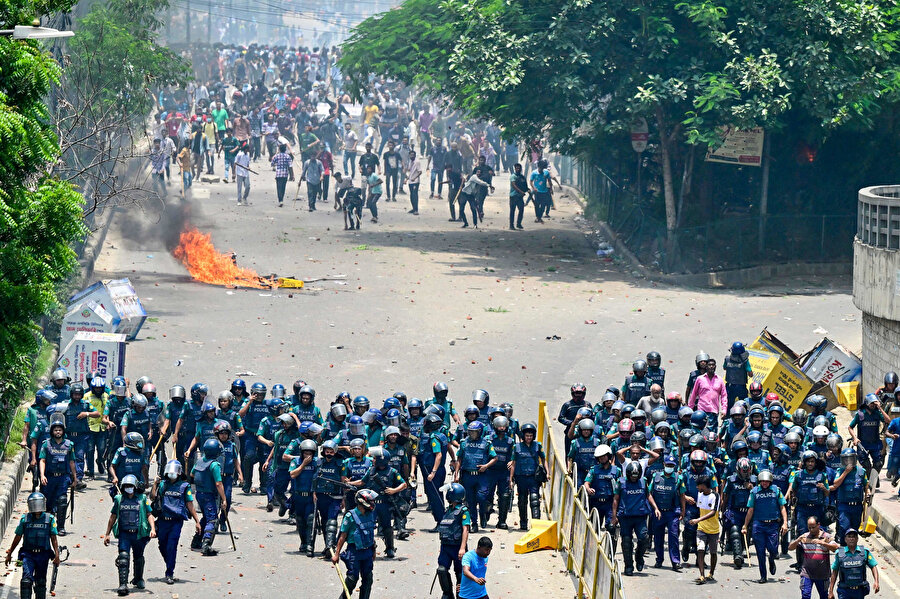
x: 778, y: 375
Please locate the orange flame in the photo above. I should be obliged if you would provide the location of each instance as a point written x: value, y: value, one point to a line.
x: 208, y: 265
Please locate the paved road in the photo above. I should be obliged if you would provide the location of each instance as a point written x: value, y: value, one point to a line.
x: 421, y: 300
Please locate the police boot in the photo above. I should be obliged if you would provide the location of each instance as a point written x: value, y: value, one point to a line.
x: 25, y: 589
x: 447, y: 590
x: 503, y: 507
x: 402, y: 532
x: 301, y: 530
x: 628, y: 555
x: 311, y: 535
x: 62, y: 507
x: 331, y: 530
x: 389, y: 551
x: 122, y: 565
x: 40, y: 589
x: 350, y: 581
x: 483, y: 509
x: 196, y: 542
x: 138, y: 579
x: 535, y: 500
x: 523, y: 512
x: 639, y: 555
x: 737, y: 547
x: 206, y: 547
x: 365, y: 587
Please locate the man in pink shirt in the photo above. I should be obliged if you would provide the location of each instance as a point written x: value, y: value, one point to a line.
x: 709, y: 395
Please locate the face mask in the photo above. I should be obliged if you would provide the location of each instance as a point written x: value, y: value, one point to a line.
x: 172, y: 476
x: 669, y: 469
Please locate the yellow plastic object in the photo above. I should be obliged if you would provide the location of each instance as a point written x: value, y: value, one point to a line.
x: 870, y: 526
x: 289, y: 283
x: 544, y: 534
x: 847, y: 394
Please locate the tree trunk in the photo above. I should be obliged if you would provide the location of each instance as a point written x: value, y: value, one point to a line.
x: 665, y: 142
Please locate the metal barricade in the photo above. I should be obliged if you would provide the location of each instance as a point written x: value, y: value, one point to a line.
x: 588, y: 551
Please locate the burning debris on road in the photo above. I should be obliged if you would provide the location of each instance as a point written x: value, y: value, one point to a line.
x: 208, y: 265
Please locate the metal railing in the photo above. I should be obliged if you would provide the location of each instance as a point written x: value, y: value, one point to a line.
x: 878, y: 216
x: 588, y: 551
x: 732, y: 242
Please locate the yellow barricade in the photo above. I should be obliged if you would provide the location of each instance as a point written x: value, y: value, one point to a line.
x: 588, y: 554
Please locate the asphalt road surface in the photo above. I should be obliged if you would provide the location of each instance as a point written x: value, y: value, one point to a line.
x: 414, y: 300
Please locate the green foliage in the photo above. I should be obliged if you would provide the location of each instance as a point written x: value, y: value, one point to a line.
x: 115, y: 58
x: 40, y: 217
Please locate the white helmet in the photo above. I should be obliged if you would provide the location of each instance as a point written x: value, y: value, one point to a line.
x: 820, y: 431
x: 602, y: 450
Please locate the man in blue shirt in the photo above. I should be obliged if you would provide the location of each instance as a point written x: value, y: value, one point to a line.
x: 474, y: 564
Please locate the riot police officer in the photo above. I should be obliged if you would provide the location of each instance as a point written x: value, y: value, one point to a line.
x: 433, y: 463
x: 737, y: 372
x: 637, y: 385
x: 176, y: 504
x: 600, y: 484
x: 37, y: 529
x: 630, y: 509
x: 656, y: 374
x: 581, y: 451
x: 231, y: 466
x: 284, y: 443
x: 665, y: 499
x: 303, y: 472
x: 252, y: 412
x: 305, y: 409
x: 36, y: 430
x: 57, y: 469
x: 481, y: 399
x: 155, y: 412
x: 328, y: 495
x: 185, y: 426
x: 440, y: 398
x: 387, y: 483
x: 207, y: 475
x: 358, y: 533
x: 734, y: 499
x: 131, y: 459
x: 132, y: 522
x: 137, y: 420
x: 399, y: 460
x: 177, y: 397
x: 700, y: 362
x: 570, y: 408
x: 766, y: 509
x: 337, y: 420
x: 60, y: 385
x: 498, y: 474
x: 476, y: 455
x: 228, y: 412
x: 78, y: 431
x: 851, y: 485
x: 453, y: 531
x: 527, y: 459
x: 868, y: 423
x: 849, y: 567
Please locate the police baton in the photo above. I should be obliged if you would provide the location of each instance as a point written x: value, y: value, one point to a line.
x: 228, y: 526
x: 340, y: 576
x: 56, y: 568
x: 72, y: 501
x: 747, y: 544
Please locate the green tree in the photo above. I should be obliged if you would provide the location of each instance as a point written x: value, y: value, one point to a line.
x: 580, y: 71
x: 40, y: 217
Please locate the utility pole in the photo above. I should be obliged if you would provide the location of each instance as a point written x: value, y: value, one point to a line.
x: 209, y: 22
x: 187, y: 23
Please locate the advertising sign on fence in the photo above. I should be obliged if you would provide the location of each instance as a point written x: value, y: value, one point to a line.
x: 743, y: 147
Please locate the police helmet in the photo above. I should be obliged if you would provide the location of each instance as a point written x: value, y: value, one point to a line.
x: 222, y: 426
x: 471, y: 411
x: 639, y: 416
x: 482, y: 396
x: 508, y: 408
x: 372, y: 416
x: 360, y: 404
x: 207, y: 407
x: 338, y: 410
x: 656, y: 444
x: 685, y: 413
x: 37, y: 503
x: 357, y: 443
x: 626, y: 425
x: 662, y: 426
x: 639, y: 366
x: 654, y: 359
x: 228, y: 396
x: 130, y: 481
x: 393, y: 417
x: 456, y: 493
x: 744, y: 467
x: 60, y: 374
x: 437, y: 410
x: 701, y: 357
x: 800, y: 417
x: 98, y: 383
x: 391, y: 430
x: 57, y: 419
x: 820, y: 431
x: 776, y: 409
x: 638, y: 438
x: 834, y: 443
x: 696, y: 441
x: 239, y: 386
x: 306, y: 390
x: 432, y: 423
x: 258, y: 388
x: 176, y: 392
x: 792, y: 437
x: 891, y: 378
x: 602, y: 450
x: 528, y: 427
x: 278, y: 391
x: 765, y: 476
x: 711, y: 438
x: 500, y: 423
x: 684, y: 436
x: 586, y: 424
x: 366, y: 498
x: 329, y: 444
x: 737, y: 348
x: 808, y: 455
x: 698, y: 419
x: 401, y: 397
x: 848, y: 458
x: 309, y: 445
x: 617, y: 405
x: 285, y: 419
x: 134, y: 441
x: 754, y: 437
x: 783, y: 455
x: 608, y: 397
x: 870, y: 399
x: 172, y: 470
x: 440, y: 390
x: 475, y: 429
x: 139, y: 384
x: 415, y: 404
x: 633, y: 471
x: 674, y: 396
x: 739, y: 445
x: 43, y: 395
x: 585, y: 412
x: 199, y: 391
x: 139, y: 402
x: 76, y: 391
x: 658, y: 415
x: 211, y: 448
x: 120, y: 389
x: 737, y: 410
